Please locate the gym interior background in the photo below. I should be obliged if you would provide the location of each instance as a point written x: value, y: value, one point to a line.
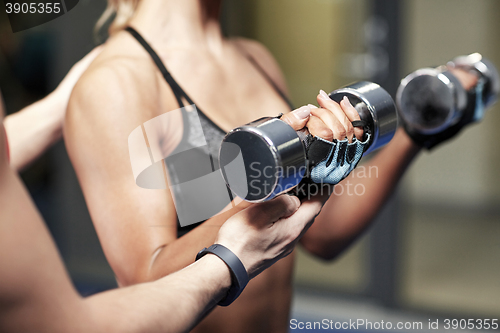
x: 435, y: 249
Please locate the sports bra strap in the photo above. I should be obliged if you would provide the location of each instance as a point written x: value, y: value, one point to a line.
x: 256, y: 64
x: 178, y: 91
x: 268, y: 78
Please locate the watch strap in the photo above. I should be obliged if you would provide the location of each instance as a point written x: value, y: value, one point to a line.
x: 239, y: 275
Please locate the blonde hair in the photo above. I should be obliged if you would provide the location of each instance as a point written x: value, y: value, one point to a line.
x: 122, y: 10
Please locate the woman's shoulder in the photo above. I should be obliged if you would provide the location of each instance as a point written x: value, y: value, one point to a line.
x: 264, y: 59
x: 119, y: 66
x: 117, y: 88
x: 117, y: 75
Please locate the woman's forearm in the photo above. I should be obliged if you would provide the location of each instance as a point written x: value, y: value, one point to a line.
x: 33, y: 129
x: 345, y: 216
x: 182, y: 251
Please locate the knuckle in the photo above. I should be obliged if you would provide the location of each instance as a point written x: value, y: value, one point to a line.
x: 273, y: 209
x: 349, y: 128
x: 289, y: 206
x: 359, y: 133
x: 319, y: 112
x: 325, y: 133
x: 280, y: 203
x: 341, y: 132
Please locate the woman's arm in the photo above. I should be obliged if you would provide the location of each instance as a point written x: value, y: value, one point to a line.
x: 135, y: 225
x: 345, y: 217
x: 38, y: 126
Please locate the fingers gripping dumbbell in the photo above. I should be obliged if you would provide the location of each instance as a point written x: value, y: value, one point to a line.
x: 267, y: 157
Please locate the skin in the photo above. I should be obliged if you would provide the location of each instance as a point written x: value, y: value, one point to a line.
x: 123, y: 89
x: 36, y: 294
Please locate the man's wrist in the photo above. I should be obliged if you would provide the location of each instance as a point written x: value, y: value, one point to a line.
x: 219, y: 270
x: 239, y: 274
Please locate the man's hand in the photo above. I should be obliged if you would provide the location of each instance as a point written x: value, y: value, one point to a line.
x: 264, y: 233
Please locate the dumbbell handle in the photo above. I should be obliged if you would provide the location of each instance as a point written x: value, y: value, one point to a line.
x: 376, y: 109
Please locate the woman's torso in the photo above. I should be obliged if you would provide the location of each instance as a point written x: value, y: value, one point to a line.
x: 230, y: 91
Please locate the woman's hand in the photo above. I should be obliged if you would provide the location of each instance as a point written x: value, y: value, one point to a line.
x: 330, y: 121
x: 332, y: 151
x: 298, y: 118
x: 333, y: 120
x: 263, y: 233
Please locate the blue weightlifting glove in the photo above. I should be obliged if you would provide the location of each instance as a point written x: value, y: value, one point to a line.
x: 330, y: 162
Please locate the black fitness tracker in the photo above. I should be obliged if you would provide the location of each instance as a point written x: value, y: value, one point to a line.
x: 239, y: 275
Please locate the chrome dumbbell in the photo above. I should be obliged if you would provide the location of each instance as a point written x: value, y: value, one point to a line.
x: 267, y: 157
x: 431, y: 100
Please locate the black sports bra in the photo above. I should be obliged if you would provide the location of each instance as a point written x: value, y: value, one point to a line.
x: 198, y: 189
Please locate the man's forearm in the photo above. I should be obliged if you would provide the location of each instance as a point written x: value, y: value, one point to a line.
x: 33, y: 129
x: 172, y: 304
x: 345, y: 216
